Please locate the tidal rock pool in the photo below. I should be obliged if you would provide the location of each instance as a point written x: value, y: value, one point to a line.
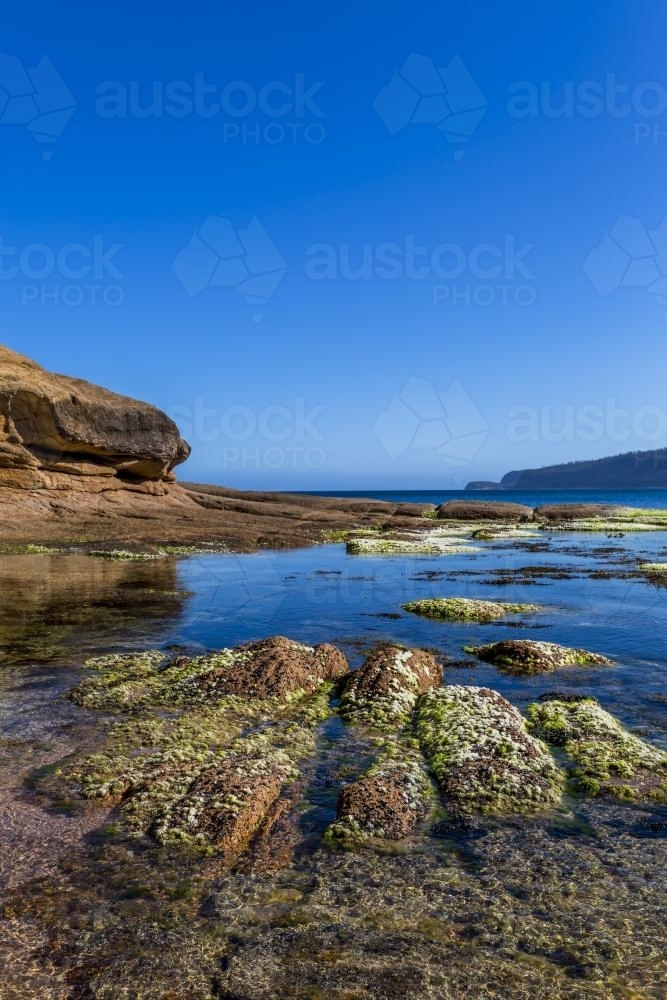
x: 190, y: 811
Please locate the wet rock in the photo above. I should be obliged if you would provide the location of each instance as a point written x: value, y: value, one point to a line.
x: 481, y: 754
x: 203, y: 779
x: 385, y: 689
x: 484, y: 510
x: 610, y: 518
x: 526, y: 656
x: 426, y: 542
x: 608, y: 760
x: 270, y: 668
x: 225, y: 805
x: 389, y: 800
x: 462, y: 609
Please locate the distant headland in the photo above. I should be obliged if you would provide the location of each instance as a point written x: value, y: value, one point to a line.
x: 633, y: 469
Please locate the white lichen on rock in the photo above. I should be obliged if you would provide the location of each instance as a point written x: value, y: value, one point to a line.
x: 385, y: 689
x: 481, y: 754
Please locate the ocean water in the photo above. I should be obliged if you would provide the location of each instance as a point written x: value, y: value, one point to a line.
x: 569, y: 905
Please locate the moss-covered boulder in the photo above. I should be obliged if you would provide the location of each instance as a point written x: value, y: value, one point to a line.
x: 463, y: 609
x: 205, y: 745
x: 385, y: 689
x: 527, y: 656
x: 608, y: 760
x: 389, y: 800
x: 202, y: 778
x: 482, y: 755
x: 271, y: 668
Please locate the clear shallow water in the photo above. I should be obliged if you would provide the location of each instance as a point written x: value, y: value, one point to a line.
x: 490, y: 915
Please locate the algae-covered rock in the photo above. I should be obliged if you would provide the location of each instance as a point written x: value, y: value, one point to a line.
x: 386, y: 687
x: 424, y: 543
x: 482, y: 755
x: 608, y: 760
x: 208, y: 742
x: 271, y: 668
x: 654, y: 569
x: 462, y: 609
x: 389, y: 800
x: 601, y: 517
x: 527, y: 656
x: 204, y: 778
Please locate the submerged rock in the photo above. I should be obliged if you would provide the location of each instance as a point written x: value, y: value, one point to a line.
x: 484, y: 510
x: 608, y: 760
x: 385, y: 689
x: 482, y: 755
x: 390, y: 800
x: 208, y: 743
x: 527, y: 656
x: 462, y: 609
x: 226, y: 802
x: 204, y: 778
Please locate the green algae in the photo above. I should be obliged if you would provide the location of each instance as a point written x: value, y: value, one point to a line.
x: 608, y: 759
x: 125, y: 555
x: 150, y: 764
x: 526, y: 656
x: 461, y: 609
x: 482, y: 755
x: 188, y: 759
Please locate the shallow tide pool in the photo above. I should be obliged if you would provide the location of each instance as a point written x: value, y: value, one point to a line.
x: 568, y: 905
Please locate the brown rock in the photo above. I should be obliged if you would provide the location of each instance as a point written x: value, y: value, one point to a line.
x: 79, y: 464
x: 484, y: 510
x: 272, y: 668
x: 225, y: 806
x: 555, y: 512
x: 56, y: 422
x: 387, y: 686
x: 388, y: 802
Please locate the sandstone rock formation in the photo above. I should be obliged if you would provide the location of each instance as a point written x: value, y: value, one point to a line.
x: 53, y: 426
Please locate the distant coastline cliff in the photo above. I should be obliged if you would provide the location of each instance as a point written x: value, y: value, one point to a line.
x: 638, y: 469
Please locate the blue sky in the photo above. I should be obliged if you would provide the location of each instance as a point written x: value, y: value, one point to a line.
x: 337, y: 382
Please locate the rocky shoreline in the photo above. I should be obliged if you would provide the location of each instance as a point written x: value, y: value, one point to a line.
x: 356, y: 813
